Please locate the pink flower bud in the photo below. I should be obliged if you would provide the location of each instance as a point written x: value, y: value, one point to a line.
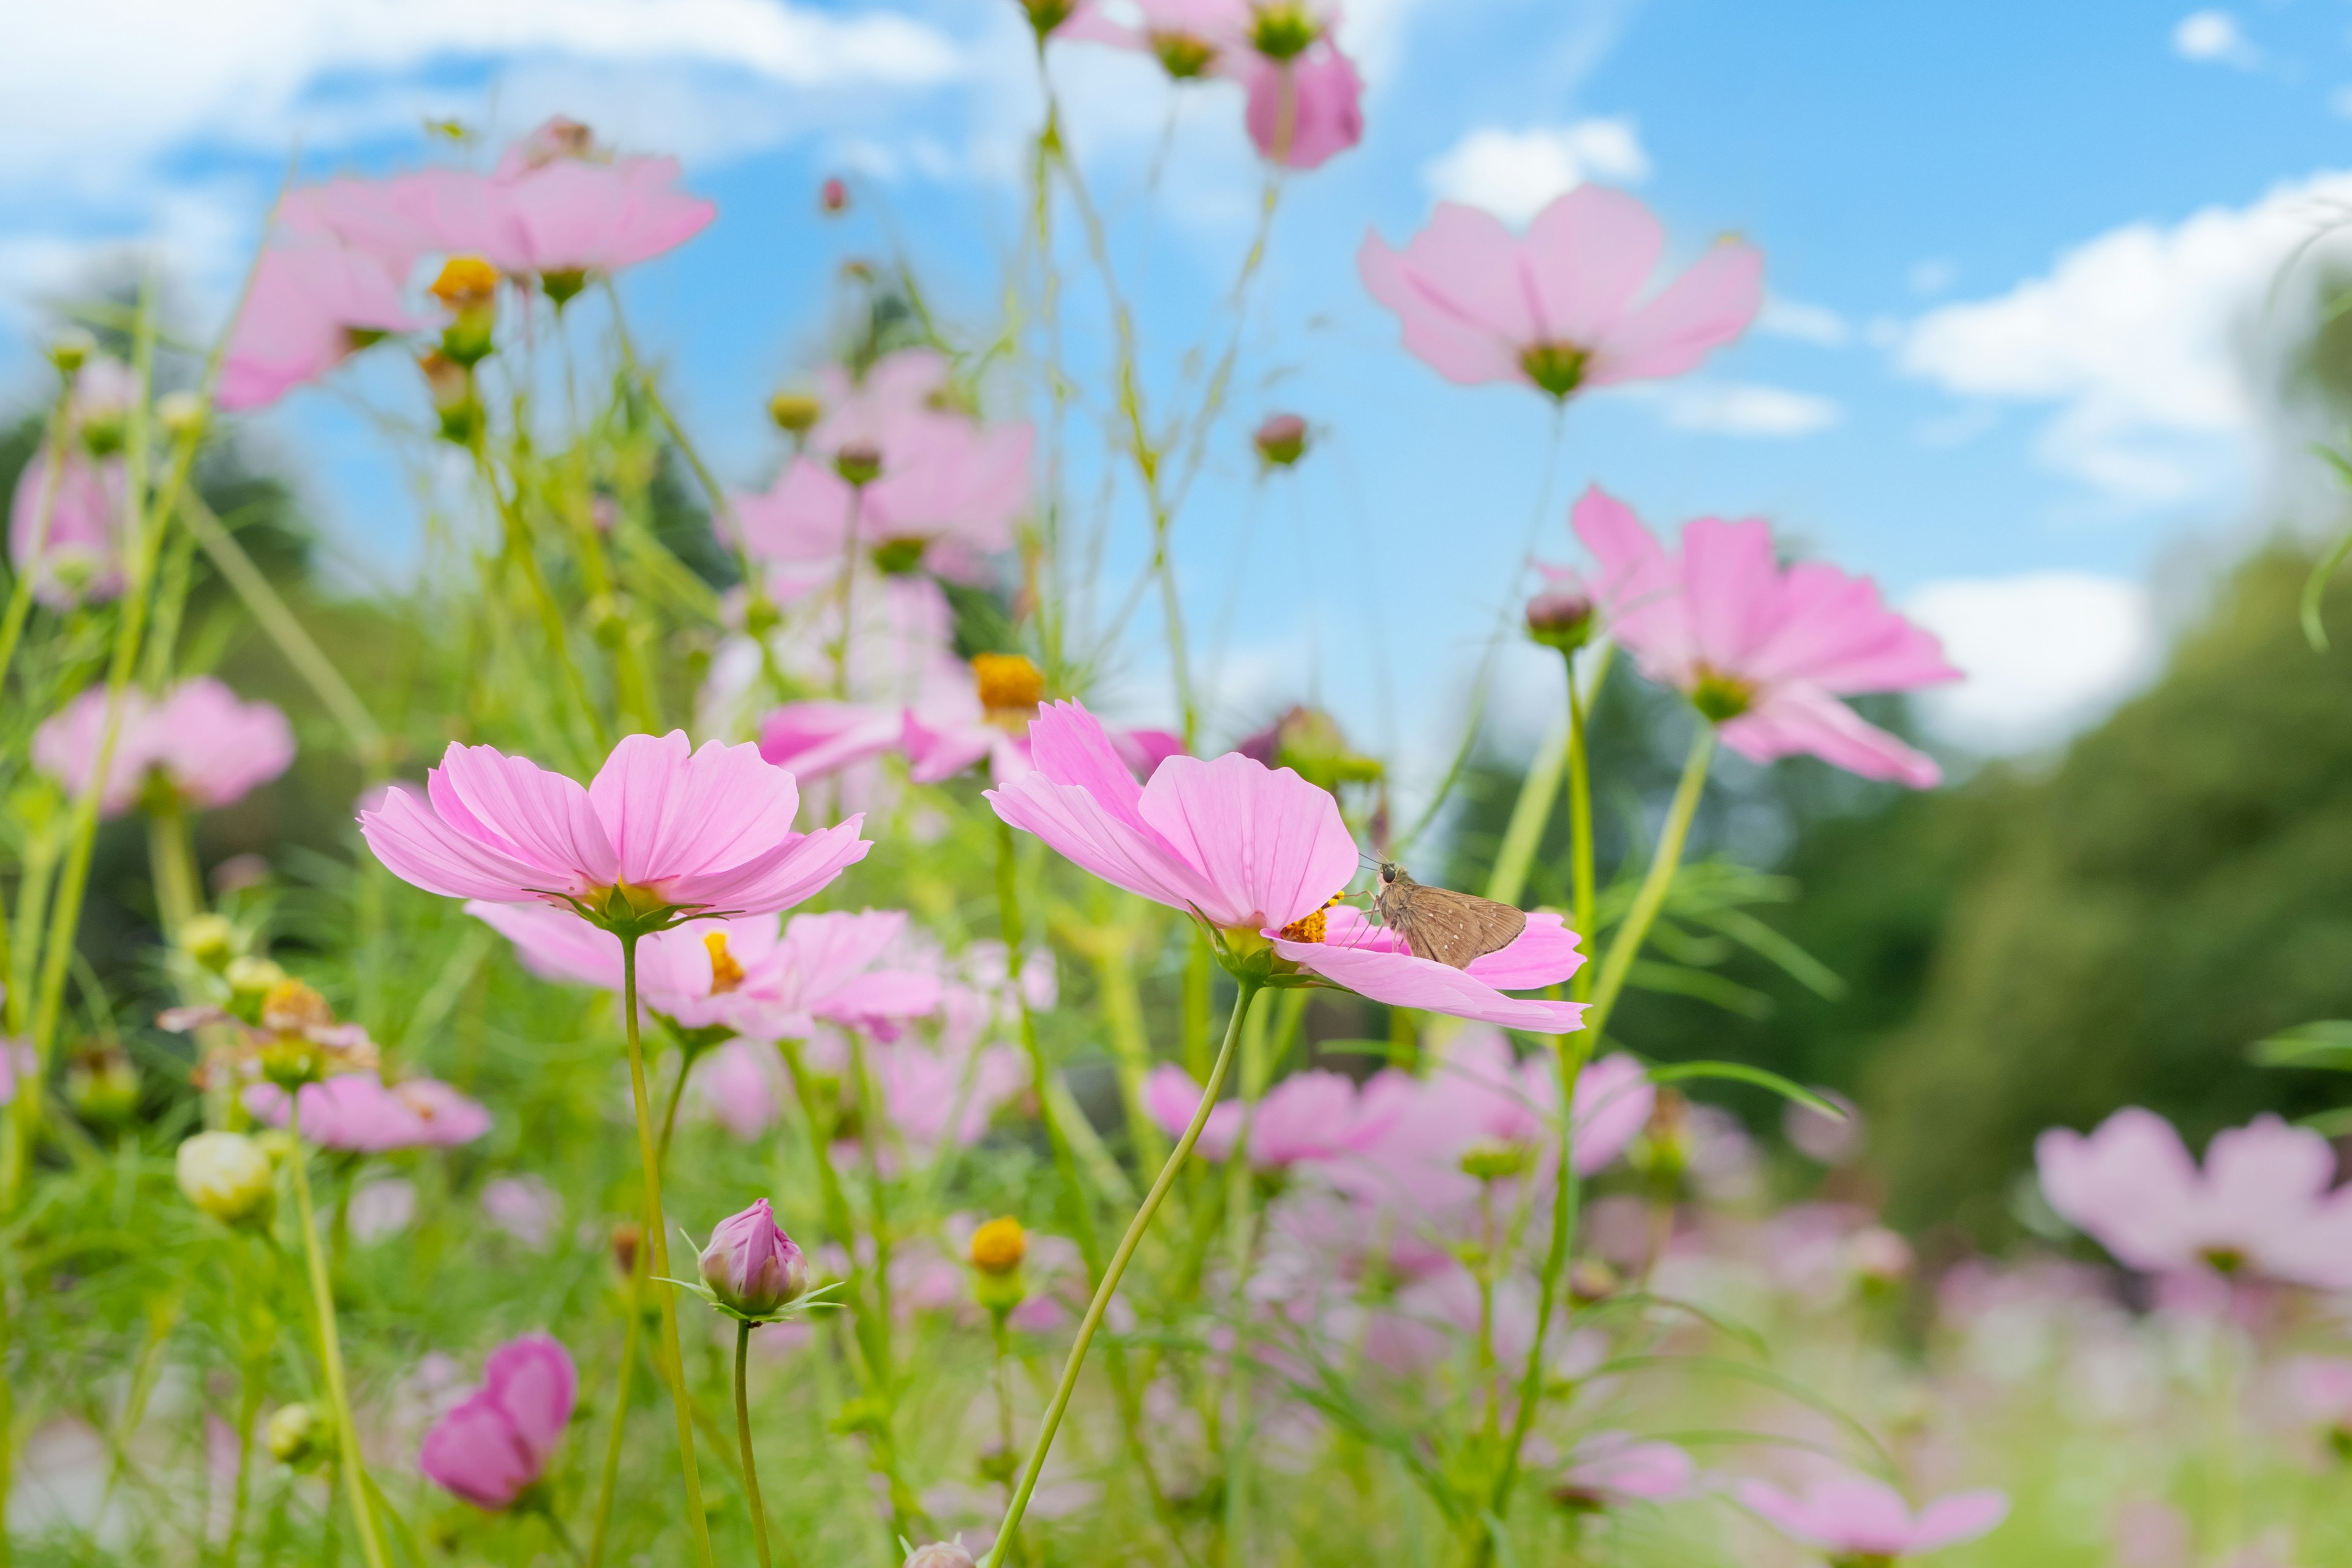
x: 752, y: 1265
x: 833, y: 196
x: 940, y: 1554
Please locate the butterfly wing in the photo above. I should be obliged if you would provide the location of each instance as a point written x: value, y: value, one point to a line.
x: 1447, y: 927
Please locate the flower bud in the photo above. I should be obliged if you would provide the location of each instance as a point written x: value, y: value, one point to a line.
x: 71, y: 348
x: 469, y: 286
x: 1281, y: 441
x: 1284, y: 29
x: 752, y: 1265
x: 626, y: 1238
x: 209, y: 940
x: 998, y: 1246
x: 1589, y: 1280
x: 833, y: 196
x: 226, y: 1175
x: 449, y: 383
x: 794, y: 411
x: 858, y: 462
x: 249, y: 980
x: 181, y: 414
x: 1562, y: 615
x: 298, y: 1436
x: 1492, y: 1160
x: 940, y: 1554
x: 102, y: 1086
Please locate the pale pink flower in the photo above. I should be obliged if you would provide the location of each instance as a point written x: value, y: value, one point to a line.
x: 947, y: 494
x: 736, y: 1084
x: 661, y: 826
x: 566, y: 217
x: 359, y: 1113
x: 747, y: 974
x: 1763, y: 651
x: 1308, y: 1116
x: 1558, y: 307
x: 380, y: 1208
x: 949, y: 729
x: 2262, y: 1204
x: 1610, y: 1468
x: 524, y: 1207
x: 310, y: 305
x: 499, y: 1441
x: 929, y: 1097
x: 381, y: 219
x: 201, y: 742
x: 1851, y: 1515
x: 79, y: 558
x: 1302, y: 112
x: 1253, y: 852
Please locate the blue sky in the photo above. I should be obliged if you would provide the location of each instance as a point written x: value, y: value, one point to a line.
x: 2014, y: 249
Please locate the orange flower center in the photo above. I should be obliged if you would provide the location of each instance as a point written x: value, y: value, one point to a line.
x: 466, y: 280
x: 1312, y: 926
x: 1010, y: 686
x: 725, y: 973
x: 998, y: 1246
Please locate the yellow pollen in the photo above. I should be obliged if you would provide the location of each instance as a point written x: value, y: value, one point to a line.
x: 466, y: 280
x: 1008, y: 681
x: 998, y: 1246
x: 725, y: 973
x: 289, y: 1004
x: 1309, y: 926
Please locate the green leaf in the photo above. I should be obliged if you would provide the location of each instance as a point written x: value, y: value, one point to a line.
x: 1763, y: 1377
x: 2314, y: 587
x: 2325, y: 1043
x: 2335, y: 1123
x: 1740, y: 1072
x: 1683, y: 981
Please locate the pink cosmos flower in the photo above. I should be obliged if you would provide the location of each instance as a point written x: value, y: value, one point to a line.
x: 524, y: 1207
x: 376, y: 219
x: 1304, y: 111
x: 1308, y: 1116
x: 76, y: 558
x: 1610, y: 1468
x: 947, y: 495
x: 751, y: 1265
x: 359, y: 1113
x: 565, y: 218
x: 312, y: 306
x: 662, y: 827
x: 745, y: 974
x: 1850, y: 1515
x: 1764, y: 651
x: 2262, y: 1204
x: 498, y: 1441
x: 1255, y: 852
x: 929, y: 1097
x: 201, y: 742
x: 1557, y: 308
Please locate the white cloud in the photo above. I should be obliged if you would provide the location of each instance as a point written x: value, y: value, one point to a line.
x: 1807, y: 323
x: 98, y: 91
x: 1514, y: 173
x: 2138, y: 337
x: 1744, y: 408
x: 2046, y: 654
x: 2214, y: 38
x: 1932, y: 276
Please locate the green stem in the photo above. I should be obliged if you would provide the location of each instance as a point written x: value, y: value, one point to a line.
x: 1051, y: 1422
x: 1530, y: 815
x: 658, y: 1245
x: 631, y: 1337
x: 173, y: 866
x: 743, y: 1439
x: 1580, y: 812
x: 1652, y: 895
x: 520, y: 552
x: 353, y: 1465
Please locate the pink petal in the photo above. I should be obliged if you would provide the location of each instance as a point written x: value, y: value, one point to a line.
x: 473, y: 1453
x: 1613, y: 1101
x: 514, y: 807
x: 812, y: 740
x: 554, y: 944
x: 1789, y: 719
x: 1303, y: 113
x: 1633, y: 569
x: 1586, y: 256
x: 1172, y: 1097
x: 1952, y: 1520
x: 796, y: 870
x: 533, y: 1382
x: 1272, y: 847
x: 1457, y: 294
x: 1544, y: 954
x: 1707, y: 306
x: 1097, y: 824
x: 1731, y: 583
x: 418, y: 847
x: 1834, y: 631
x: 1402, y: 981
x: 673, y: 812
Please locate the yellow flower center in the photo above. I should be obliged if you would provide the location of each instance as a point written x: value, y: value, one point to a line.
x: 466, y: 280
x: 998, y: 1246
x: 1310, y: 927
x: 725, y: 973
x: 1721, y: 698
x: 290, y: 1006
x: 1010, y: 686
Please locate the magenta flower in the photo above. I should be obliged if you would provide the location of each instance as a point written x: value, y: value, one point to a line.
x: 744, y: 974
x: 498, y: 1441
x: 1763, y: 651
x: 753, y: 1268
x: 662, y: 828
x: 359, y: 1113
x: 201, y: 742
x: 2263, y: 1204
x: 312, y: 306
x: 1852, y: 1516
x: 1309, y: 1117
x: 1302, y: 112
x: 1259, y: 855
x: 76, y: 558
x: 1557, y: 308
x: 1610, y: 1468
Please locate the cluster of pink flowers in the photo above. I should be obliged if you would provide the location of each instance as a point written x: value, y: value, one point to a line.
x: 1304, y: 101
x: 199, y: 742
x: 557, y: 209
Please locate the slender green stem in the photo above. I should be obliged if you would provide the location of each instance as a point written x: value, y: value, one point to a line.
x: 631, y: 1337
x: 251, y: 1376
x: 353, y: 1464
x: 173, y: 865
x: 1530, y: 815
x: 1652, y: 895
x: 658, y: 1247
x: 1051, y: 1422
x: 277, y: 622
x: 520, y: 549
x: 1584, y: 896
x: 744, y: 1437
